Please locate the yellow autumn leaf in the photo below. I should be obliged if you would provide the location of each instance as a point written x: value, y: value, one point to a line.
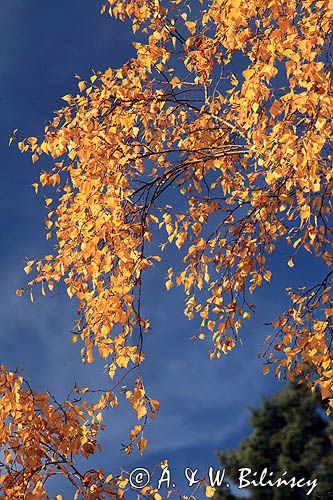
x: 168, y: 284
x: 142, y: 443
x: 209, y: 491
x: 305, y: 212
x: 191, y: 26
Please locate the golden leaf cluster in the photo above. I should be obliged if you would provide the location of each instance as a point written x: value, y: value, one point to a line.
x: 228, y: 165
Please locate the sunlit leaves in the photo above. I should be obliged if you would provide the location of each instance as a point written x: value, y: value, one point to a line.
x: 40, y: 437
x: 223, y: 168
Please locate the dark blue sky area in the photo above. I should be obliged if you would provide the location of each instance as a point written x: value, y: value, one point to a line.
x: 204, y: 404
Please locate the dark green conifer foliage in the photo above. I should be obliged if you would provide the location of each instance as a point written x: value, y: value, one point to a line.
x: 290, y: 432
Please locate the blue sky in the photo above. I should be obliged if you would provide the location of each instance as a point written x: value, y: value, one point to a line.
x: 204, y: 404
